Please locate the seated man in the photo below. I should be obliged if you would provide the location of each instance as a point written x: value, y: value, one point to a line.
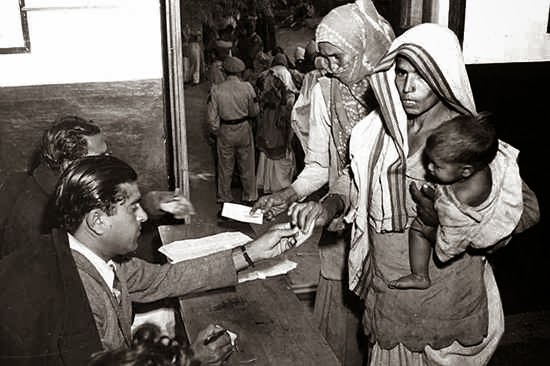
x: 70, y: 297
x: 29, y: 213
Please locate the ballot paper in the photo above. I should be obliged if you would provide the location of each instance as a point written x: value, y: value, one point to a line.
x: 241, y: 213
x: 279, y: 267
x: 181, y: 250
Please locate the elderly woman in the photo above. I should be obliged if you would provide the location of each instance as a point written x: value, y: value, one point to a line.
x: 420, y: 84
x: 352, y: 38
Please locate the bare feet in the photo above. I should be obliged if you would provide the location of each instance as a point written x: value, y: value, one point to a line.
x: 412, y: 281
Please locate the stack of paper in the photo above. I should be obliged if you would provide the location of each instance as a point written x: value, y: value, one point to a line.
x: 181, y: 250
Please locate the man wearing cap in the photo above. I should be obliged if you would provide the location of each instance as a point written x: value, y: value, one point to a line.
x: 231, y: 106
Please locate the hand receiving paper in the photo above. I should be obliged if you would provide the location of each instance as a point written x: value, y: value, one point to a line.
x: 296, y: 240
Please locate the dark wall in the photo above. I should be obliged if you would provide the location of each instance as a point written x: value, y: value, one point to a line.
x: 130, y: 113
x: 518, y: 94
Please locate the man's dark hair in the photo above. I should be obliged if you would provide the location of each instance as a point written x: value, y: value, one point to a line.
x: 149, y: 348
x: 64, y: 141
x: 89, y: 183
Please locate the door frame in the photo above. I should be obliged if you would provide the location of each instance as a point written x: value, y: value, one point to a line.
x: 174, y: 97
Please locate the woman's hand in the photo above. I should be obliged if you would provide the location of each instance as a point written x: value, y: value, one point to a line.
x: 274, y: 242
x: 212, y: 346
x: 307, y: 215
x: 424, y: 199
x: 274, y: 204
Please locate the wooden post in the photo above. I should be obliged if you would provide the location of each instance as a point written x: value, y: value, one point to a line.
x: 176, y: 96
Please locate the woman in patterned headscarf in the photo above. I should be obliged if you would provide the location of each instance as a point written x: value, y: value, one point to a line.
x: 351, y: 38
x: 420, y: 84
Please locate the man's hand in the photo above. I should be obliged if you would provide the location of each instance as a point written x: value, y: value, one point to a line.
x: 307, y: 215
x: 424, y: 199
x: 176, y: 204
x: 212, y: 346
x: 274, y: 204
x: 274, y: 242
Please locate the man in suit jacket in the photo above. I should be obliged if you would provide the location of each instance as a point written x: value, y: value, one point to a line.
x: 98, y: 198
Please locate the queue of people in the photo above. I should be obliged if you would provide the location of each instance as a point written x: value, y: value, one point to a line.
x: 388, y: 126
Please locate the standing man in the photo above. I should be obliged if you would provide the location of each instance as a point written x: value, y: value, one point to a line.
x: 71, y: 296
x: 231, y: 106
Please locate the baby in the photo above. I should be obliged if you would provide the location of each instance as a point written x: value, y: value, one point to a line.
x: 478, y: 196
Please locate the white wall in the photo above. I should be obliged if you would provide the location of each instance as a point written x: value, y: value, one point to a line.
x: 506, y: 31
x: 88, y: 41
x: 497, y: 31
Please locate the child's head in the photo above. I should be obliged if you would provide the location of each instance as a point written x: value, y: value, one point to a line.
x: 149, y: 348
x: 460, y: 147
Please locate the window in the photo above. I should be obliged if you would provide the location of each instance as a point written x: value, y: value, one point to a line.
x: 14, y: 31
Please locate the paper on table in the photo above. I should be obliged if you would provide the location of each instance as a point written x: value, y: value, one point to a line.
x: 181, y: 250
x: 281, y: 267
x: 241, y: 213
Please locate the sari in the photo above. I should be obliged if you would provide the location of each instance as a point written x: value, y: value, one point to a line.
x: 459, y: 319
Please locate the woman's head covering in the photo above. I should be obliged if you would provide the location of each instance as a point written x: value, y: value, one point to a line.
x: 299, y: 53
x: 280, y: 59
x: 281, y: 72
x: 359, y: 31
x: 435, y: 51
x: 441, y: 66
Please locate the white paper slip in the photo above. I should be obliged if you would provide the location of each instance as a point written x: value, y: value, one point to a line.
x: 181, y: 250
x: 241, y: 213
x: 281, y: 267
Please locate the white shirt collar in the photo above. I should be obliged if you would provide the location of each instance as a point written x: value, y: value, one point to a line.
x: 105, y: 269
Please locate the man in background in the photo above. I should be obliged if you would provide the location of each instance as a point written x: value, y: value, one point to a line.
x: 231, y: 106
x: 28, y: 211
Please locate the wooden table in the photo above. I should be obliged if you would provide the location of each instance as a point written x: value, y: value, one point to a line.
x: 273, y: 327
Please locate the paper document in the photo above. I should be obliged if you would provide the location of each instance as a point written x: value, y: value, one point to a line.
x: 278, y: 268
x: 181, y: 250
x: 241, y: 213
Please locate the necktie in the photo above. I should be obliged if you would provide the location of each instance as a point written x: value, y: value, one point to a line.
x: 117, y: 290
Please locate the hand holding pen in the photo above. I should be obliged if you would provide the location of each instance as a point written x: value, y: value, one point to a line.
x: 212, y: 345
x: 219, y: 331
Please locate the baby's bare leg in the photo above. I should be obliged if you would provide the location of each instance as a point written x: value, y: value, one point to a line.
x: 420, y: 250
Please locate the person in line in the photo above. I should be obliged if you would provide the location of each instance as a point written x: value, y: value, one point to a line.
x: 420, y: 84
x: 197, y: 63
x: 221, y: 49
x: 265, y: 26
x: 312, y: 68
x: 85, y: 280
x: 276, y: 161
x: 477, y: 197
x: 231, y: 106
x: 30, y: 212
x: 351, y: 38
x: 249, y: 42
